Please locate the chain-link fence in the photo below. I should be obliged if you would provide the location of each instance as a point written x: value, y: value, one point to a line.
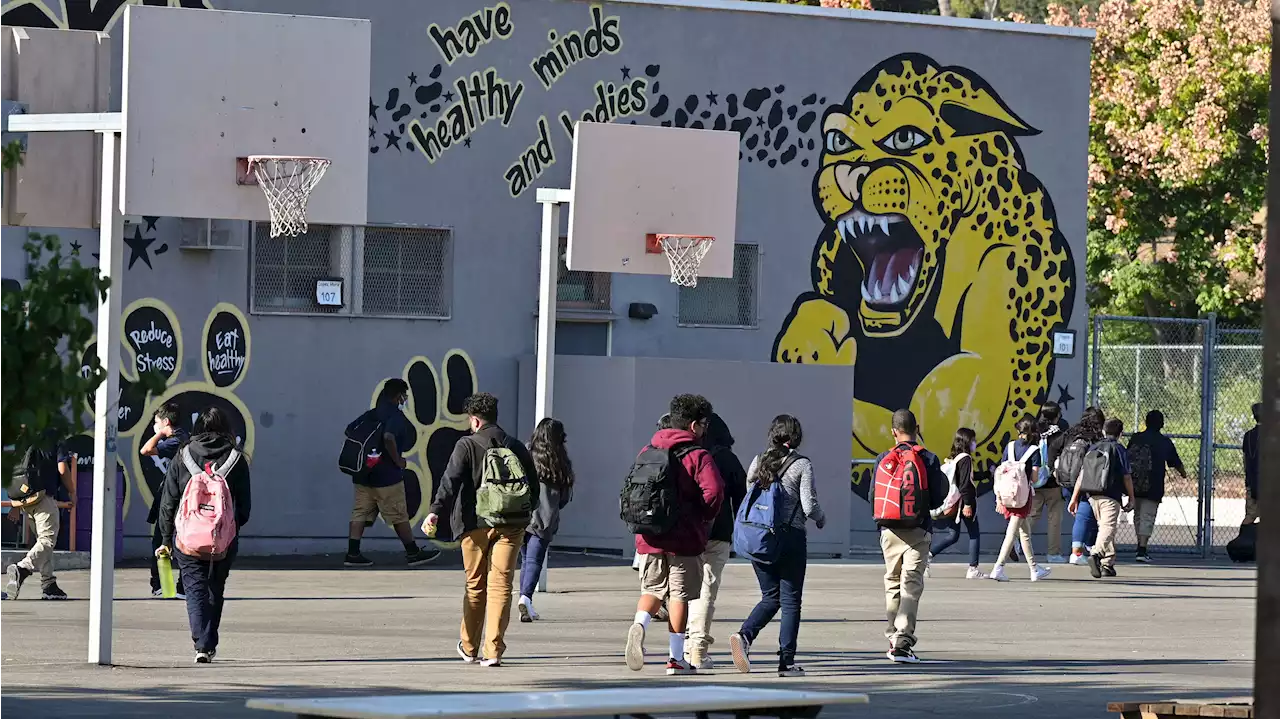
x: 1203, y: 378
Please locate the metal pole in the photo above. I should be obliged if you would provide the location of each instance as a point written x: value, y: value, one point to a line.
x: 1266, y: 648
x: 548, y: 277
x: 105, y: 410
x: 1093, y: 371
x: 1209, y: 328
x: 1137, y: 387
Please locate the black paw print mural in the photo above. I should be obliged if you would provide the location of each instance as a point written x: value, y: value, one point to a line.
x: 419, y: 97
x: 435, y: 411
x: 775, y: 129
x: 96, y: 15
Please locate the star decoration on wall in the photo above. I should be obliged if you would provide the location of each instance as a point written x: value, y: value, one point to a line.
x: 759, y: 122
x: 413, y: 79
x: 138, y: 247
x: 373, y: 132
x: 711, y: 98
x: 151, y: 223
x: 467, y: 142
x: 448, y: 96
x: 393, y: 140
x: 75, y: 246
x: 626, y: 73
x: 373, y: 110
x: 1064, y: 396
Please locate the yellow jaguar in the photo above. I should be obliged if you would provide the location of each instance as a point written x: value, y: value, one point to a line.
x: 940, y: 273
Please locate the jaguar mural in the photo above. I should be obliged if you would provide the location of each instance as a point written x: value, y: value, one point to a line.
x: 940, y: 272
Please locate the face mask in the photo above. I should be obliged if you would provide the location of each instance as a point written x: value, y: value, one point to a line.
x: 403, y: 406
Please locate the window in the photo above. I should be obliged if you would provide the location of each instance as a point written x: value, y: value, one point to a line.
x: 725, y: 301
x: 580, y: 289
x: 385, y: 271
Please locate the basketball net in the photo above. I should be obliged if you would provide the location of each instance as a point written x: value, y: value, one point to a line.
x: 685, y: 254
x: 287, y: 182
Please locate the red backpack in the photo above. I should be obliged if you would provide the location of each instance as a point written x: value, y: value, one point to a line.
x: 900, y: 499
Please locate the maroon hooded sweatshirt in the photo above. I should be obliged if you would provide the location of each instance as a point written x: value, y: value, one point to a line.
x: 701, y: 493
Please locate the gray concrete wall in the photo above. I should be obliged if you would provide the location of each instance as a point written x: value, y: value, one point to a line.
x: 611, y: 405
x: 764, y: 70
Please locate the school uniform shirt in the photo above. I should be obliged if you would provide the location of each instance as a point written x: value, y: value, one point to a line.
x: 1163, y: 455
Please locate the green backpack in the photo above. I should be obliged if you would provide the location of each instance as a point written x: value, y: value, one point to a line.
x: 504, y: 497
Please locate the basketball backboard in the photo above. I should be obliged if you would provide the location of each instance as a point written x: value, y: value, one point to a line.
x: 203, y: 88
x: 630, y: 181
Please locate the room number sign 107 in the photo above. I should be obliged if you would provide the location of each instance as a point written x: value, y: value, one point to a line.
x: 329, y: 293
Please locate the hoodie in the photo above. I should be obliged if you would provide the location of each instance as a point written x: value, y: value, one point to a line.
x: 205, y: 449
x: 1054, y: 438
x: 719, y: 443
x: 701, y: 495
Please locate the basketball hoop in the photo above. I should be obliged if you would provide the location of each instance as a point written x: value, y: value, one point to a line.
x: 684, y: 252
x: 287, y: 182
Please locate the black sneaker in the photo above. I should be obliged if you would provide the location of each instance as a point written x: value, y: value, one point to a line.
x: 903, y: 655
x: 204, y: 657
x: 1108, y: 571
x: 1143, y: 557
x: 17, y: 575
x: 1095, y: 566
x: 792, y: 670
x: 52, y: 591
x: 357, y: 560
x: 419, y: 556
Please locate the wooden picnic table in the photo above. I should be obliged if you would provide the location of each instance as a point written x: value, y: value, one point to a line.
x: 700, y: 701
x: 1224, y: 708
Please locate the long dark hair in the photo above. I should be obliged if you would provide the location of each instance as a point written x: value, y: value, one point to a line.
x: 550, y: 459
x: 963, y: 442
x: 1089, y: 428
x: 1028, y: 428
x: 785, y: 436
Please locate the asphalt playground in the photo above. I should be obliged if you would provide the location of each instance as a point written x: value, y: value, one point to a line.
x: 1056, y: 649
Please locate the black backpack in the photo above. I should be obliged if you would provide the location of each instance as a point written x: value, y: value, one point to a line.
x: 36, y: 472
x: 363, y: 438
x: 1141, y: 467
x: 650, y: 500
x: 1095, y: 476
x: 1066, y: 468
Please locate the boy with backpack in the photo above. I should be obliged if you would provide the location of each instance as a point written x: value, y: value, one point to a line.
x: 1150, y: 452
x: 167, y: 437
x: 669, y: 500
x: 1104, y: 480
x: 909, y: 483
x: 487, y: 494
x: 32, y: 492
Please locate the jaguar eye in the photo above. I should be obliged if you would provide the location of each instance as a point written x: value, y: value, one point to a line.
x: 838, y: 143
x: 904, y: 140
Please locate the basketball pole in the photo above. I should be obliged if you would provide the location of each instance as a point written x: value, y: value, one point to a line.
x: 548, y: 278
x: 109, y: 126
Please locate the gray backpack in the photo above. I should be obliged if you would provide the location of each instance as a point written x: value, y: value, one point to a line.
x: 1095, y: 473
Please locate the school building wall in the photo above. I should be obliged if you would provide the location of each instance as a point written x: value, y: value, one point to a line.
x: 985, y: 124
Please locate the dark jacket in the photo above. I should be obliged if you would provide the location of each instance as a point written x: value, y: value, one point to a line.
x: 937, y: 481
x: 205, y: 449
x: 1251, y: 450
x: 701, y: 494
x: 1054, y: 438
x: 545, y: 521
x: 719, y: 442
x: 455, y: 500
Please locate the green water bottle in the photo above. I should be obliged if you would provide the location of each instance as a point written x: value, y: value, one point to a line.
x: 168, y: 584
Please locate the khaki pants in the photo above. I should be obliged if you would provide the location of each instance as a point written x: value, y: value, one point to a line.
x: 489, y: 559
x: 1050, y: 501
x: 40, y: 559
x: 1107, y: 511
x: 703, y: 609
x: 906, y: 552
x: 1019, y: 529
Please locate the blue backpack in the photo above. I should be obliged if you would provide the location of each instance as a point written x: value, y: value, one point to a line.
x: 755, y: 533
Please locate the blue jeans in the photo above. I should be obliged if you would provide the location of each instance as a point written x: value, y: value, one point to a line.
x: 781, y: 587
x: 206, y: 583
x: 946, y: 532
x: 1084, y: 531
x: 534, y: 554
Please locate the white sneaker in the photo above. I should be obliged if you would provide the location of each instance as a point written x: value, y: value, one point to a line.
x: 1078, y: 558
x: 465, y: 657
x: 679, y: 667
x: 1038, y: 572
x: 635, y: 647
x: 975, y: 573
x: 741, y: 650
x: 527, y: 614
x: 1057, y: 559
x: 997, y: 573
x: 702, y: 665
x: 487, y: 662
x: 928, y: 567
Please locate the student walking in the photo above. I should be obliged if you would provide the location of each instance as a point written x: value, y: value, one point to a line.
x: 781, y: 581
x: 1075, y: 445
x: 1251, y: 450
x: 380, y: 490
x: 190, y: 514
x: 1047, y: 499
x: 488, y: 493
x: 1151, y: 453
x: 669, y: 501
x: 1105, y: 479
x: 166, y: 438
x: 909, y: 483
x: 1023, y: 451
x: 32, y: 493
x: 555, y: 479
x: 946, y: 528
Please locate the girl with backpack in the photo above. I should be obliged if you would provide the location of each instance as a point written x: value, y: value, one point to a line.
x: 555, y: 475
x: 204, y: 501
x: 782, y: 581
x: 1025, y: 450
x: 961, y: 504
x: 1084, y: 529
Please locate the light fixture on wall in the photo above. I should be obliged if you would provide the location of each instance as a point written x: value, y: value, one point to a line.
x: 641, y: 310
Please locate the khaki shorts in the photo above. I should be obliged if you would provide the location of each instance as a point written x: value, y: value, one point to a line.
x: 1144, y: 516
x: 387, y: 501
x: 667, y: 576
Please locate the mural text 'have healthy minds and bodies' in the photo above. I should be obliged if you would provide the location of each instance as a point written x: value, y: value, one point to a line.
x: 483, y: 95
